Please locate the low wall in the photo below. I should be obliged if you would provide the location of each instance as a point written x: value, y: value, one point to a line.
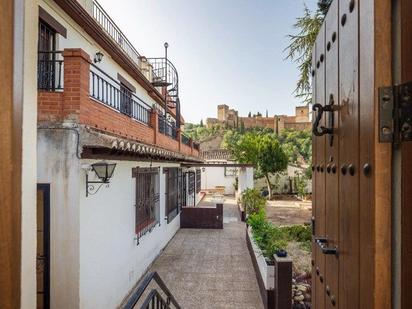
x: 275, y: 281
x: 202, y: 217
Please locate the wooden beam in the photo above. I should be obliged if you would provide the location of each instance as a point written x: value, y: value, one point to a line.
x: 11, y: 63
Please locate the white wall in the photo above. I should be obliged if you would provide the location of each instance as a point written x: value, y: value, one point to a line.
x: 110, y: 260
x: 245, y: 179
x: 95, y: 259
x: 28, y: 223
x: 215, y: 176
x: 59, y: 166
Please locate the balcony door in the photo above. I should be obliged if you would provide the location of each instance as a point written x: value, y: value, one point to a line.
x: 46, y: 70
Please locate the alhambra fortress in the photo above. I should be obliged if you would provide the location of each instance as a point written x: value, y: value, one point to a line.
x: 230, y: 118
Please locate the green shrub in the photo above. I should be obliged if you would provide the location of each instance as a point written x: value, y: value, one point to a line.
x: 253, y: 201
x: 270, y: 238
x: 299, y: 233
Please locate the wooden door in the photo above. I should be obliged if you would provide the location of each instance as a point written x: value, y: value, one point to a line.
x: 403, y: 74
x: 43, y: 246
x: 336, y: 245
x: 11, y: 99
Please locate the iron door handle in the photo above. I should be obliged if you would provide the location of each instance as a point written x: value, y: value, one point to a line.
x: 322, y: 242
x: 320, y: 109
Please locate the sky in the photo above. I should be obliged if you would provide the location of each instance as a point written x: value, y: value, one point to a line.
x: 226, y: 51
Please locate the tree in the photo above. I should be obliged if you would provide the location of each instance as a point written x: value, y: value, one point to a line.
x: 301, y: 44
x: 261, y: 149
x: 271, y: 158
x: 267, y: 114
x: 249, y: 115
x: 201, y: 122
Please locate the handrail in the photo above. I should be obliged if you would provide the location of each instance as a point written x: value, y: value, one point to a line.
x: 108, y: 25
x: 137, y: 294
x: 50, y: 70
x: 107, y: 90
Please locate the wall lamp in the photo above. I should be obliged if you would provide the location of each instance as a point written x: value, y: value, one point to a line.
x: 98, y: 57
x: 104, y: 171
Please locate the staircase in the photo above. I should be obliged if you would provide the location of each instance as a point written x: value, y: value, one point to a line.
x: 159, y: 297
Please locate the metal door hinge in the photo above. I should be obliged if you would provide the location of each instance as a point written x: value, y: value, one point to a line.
x: 395, y: 113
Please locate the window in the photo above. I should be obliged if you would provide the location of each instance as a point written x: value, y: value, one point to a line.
x: 147, y: 199
x: 230, y: 171
x: 191, y: 182
x: 174, y: 192
x: 125, y: 100
x: 46, y: 58
x: 198, y: 181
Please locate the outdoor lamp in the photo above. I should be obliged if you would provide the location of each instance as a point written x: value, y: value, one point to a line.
x: 104, y: 171
x: 98, y: 57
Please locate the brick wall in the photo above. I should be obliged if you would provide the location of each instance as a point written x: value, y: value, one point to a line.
x: 49, y: 106
x: 74, y: 104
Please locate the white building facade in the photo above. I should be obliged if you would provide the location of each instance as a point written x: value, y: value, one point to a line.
x: 102, y: 104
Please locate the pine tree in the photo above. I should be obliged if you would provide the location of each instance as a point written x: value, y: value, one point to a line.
x: 267, y: 114
x: 201, y: 122
x: 250, y: 114
x: 301, y: 44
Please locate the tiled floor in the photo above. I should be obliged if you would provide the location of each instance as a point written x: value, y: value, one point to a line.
x: 211, y: 268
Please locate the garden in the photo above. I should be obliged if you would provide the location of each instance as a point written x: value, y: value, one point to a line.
x: 288, y: 240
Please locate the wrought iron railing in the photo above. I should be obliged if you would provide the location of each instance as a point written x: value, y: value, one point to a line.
x: 108, y: 91
x: 165, y: 75
x: 185, y: 140
x: 109, y: 26
x: 166, y: 127
x: 50, y: 70
x: 154, y: 299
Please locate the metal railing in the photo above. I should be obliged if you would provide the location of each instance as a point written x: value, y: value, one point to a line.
x: 185, y: 140
x: 108, y: 91
x: 166, y: 127
x: 50, y: 70
x: 154, y: 298
x: 110, y: 27
x: 165, y: 75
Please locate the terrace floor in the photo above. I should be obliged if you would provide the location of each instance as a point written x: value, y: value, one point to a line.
x: 211, y: 268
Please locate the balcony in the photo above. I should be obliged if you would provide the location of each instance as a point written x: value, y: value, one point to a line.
x: 159, y: 71
x: 72, y: 89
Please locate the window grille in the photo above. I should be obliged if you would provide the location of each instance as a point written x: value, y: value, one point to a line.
x: 174, y: 190
x: 198, y: 181
x: 147, y: 199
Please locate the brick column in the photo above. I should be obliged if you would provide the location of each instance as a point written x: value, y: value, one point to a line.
x: 154, y: 123
x: 76, y: 82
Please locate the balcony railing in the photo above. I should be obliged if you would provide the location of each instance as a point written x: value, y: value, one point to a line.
x: 165, y: 75
x: 50, y: 71
x: 108, y: 91
x: 166, y: 127
x: 109, y: 26
x: 185, y: 140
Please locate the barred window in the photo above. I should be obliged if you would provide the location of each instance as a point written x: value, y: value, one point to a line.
x: 147, y: 199
x: 198, y: 181
x: 191, y: 182
x: 174, y: 188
